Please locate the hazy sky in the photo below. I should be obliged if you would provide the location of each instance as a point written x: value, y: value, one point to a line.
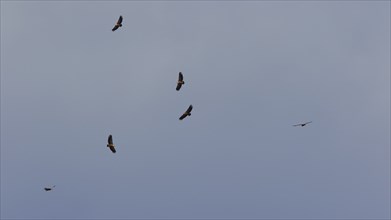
x: 252, y: 70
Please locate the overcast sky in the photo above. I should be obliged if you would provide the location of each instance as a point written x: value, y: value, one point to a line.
x: 251, y: 69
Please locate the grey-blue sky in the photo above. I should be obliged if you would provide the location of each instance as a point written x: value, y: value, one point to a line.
x: 252, y: 70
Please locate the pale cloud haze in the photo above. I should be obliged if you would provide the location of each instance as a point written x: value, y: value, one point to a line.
x: 252, y: 70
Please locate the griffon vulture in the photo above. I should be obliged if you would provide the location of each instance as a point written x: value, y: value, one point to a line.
x: 118, y: 24
x: 187, y: 113
x: 49, y: 188
x: 180, y: 82
x: 110, y: 144
x: 302, y: 124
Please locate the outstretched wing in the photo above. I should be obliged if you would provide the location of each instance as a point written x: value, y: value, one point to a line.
x: 112, y: 149
x: 119, y: 20
x: 110, y: 139
x: 296, y: 125
x: 189, y: 109
x: 183, y: 116
x: 308, y: 122
x: 178, y: 86
x: 115, y: 27
x: 180, y: 77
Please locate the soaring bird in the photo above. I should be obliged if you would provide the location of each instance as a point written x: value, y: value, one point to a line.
x: 118, y: 24
x: 302, y: 124
x: 180, y: 82
x: 110, y: 144
x: 49, y: 188
x: 187, y: 113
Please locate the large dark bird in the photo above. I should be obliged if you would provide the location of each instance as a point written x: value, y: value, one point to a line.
x: 187, y: 113
x: 118, y: 24
x: 180, y: 82
x: 110, y: 144
x: 49, y: 188
x: 302, y: 124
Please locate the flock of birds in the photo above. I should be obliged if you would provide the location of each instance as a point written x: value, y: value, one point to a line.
x: 180, y: 82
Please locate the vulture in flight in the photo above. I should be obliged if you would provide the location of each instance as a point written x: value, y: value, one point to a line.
x: 49, y: 188
x: 187, y: 113
x: 180, y: 82
x: 302, y: 124
x: 110, y: 144
x: 118, y: 24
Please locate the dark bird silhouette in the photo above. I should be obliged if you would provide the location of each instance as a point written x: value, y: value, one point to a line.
x: 187, y: 113
x: 118, y: 24
x: 49, y: 188
x: 110, y: 144
x: 180, y: 82
x: 302, y: 124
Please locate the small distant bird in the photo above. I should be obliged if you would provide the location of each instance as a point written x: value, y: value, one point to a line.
x: 49, y: 188
x: 302, y: 124
x: 187, y: 113
x: 110, y: 144
x: 118, y: 24
x: 180, y: 82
